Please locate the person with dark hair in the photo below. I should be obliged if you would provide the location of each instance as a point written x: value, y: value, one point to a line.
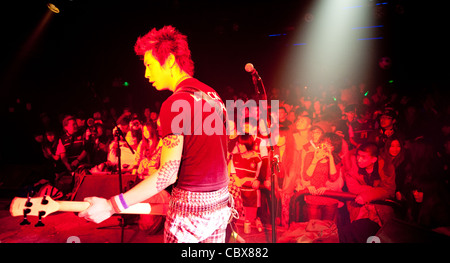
x: 387, y: 121
x: 71, y: 145
x: 99, y: 153
x: 347, y: 124
x: 395, y: 152
x: 146, y: 149
x: 284, y: 123
x: 72, y: 152
x: 297, y: 202
x: 49, y: 144
x: 372, y: 179
x: 192, y: 156
x: 289, y: 177
x: 429, y: 198
x: 364, y: 125
x: 247, y: 163
x: 321, y: 167
x: 133, y: 133
x: 315, y: 132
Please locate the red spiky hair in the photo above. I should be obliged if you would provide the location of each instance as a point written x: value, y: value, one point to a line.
x: 164, y: 41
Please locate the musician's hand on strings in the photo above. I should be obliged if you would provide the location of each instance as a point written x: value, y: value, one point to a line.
x: 99, y: 210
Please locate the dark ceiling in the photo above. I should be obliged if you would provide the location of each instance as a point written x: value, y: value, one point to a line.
x: 89, y: 44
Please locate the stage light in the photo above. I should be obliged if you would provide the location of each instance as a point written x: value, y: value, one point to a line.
x: 331, y: 49
x: 53, y: 8
x: 60, y: 6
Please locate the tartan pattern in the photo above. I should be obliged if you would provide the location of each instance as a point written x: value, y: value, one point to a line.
x: 184, y: 226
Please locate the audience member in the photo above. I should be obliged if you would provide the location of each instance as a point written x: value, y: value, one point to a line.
x: 320, y: 168
x: 394, y: 152
x: 147, y: 146
x: 125, y: 146
x: 72, y: 151
x: 247, y: 164
x: 284, y: 123
x: 347, y: 125
x: 100, y: 143
x: 412, y: 166
x: 387, y: 121
x: 371, y: 178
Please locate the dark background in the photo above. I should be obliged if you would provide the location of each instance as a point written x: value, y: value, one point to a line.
x: 83, y: 49
x: 86, y: 52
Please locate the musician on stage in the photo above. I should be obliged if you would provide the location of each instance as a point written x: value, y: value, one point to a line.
x: 193, y: 156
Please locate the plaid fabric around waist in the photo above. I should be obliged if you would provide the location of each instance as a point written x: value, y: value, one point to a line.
x: 185, y: 202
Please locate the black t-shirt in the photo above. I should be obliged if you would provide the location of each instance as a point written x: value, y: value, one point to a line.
x: 72, y: 145
x: 370, y: 179
x: 203, y: 162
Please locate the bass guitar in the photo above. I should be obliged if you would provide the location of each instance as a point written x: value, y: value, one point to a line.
x: 44, y: 206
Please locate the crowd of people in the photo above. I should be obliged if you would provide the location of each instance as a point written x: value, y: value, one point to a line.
x: 386, y: 147
x: 378, y: 144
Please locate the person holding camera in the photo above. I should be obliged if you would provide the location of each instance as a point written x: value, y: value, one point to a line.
x: 322, y: 167
x: 132, y: 129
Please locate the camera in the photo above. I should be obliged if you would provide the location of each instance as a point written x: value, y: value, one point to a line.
x: 135, y: 124
x: 323, y: 146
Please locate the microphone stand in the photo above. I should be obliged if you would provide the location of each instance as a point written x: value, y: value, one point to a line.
x: 117, y: 134
x: 273, y: 162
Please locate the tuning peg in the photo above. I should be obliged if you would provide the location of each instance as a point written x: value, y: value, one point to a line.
x: 44, y: 200
x: 39, y: 223
x: 28, y: 203
x: 25, y: 220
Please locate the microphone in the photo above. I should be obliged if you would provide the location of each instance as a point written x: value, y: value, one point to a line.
x: 277, y: 157
x: 251, y: 69
x: 276, y: 160
x: 255, y: 76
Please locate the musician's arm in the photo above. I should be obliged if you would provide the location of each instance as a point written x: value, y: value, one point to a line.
x: 101, y: 209
x: 166, y: 174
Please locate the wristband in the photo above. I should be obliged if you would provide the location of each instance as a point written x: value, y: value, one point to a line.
x: 114, y: 205
x: 122, y: 201
x: 118, y: 203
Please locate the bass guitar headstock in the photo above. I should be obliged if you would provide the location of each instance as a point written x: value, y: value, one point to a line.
x: 37, y: 206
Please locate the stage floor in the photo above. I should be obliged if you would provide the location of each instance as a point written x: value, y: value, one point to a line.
x: 63, y: 227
